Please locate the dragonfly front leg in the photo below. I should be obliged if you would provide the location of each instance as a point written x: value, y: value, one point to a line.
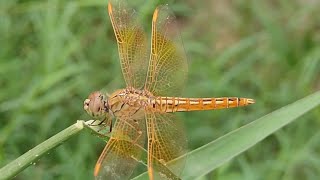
x: 109, y: 123
x: 105, y: 122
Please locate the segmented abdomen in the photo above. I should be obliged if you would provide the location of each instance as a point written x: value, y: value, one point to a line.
x: 178, y: 104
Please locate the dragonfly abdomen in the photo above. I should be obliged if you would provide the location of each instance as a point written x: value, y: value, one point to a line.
x: 178, y: 104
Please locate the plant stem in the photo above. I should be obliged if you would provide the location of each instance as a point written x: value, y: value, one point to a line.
x: 13, y: 168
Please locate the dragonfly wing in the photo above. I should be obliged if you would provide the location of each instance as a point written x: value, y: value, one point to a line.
x: 166, y: 141
x: 124, y: 148
x: 132, y: 42
x: 168, y: 62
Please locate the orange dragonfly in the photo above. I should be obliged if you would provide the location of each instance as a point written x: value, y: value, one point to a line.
x: 143, y: 111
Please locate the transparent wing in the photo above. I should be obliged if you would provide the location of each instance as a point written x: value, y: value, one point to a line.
x: 166, y: 141
x: 131, y: 41
x: 124, y: 148
x: 168, y: 62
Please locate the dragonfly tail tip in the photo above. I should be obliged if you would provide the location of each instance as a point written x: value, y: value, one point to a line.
x: 250, y: 101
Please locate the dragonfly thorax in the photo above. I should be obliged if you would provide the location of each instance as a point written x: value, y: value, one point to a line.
x: 129, y: 102
x: 133, y: 97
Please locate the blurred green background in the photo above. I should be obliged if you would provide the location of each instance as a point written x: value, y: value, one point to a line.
x: 54, y: 53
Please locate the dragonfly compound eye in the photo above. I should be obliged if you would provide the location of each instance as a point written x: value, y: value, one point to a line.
x: 95, y: 105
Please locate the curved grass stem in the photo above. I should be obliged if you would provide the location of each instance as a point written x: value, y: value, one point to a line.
x: 16, y: 166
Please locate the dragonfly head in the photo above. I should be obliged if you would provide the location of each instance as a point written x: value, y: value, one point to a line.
x: 96, y: 105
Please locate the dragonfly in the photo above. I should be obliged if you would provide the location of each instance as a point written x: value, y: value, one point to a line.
x: 144, y: 111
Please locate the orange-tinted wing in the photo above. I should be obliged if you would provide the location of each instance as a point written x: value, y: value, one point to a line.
x: 124, y: 148
x: 166, y: 141
x: 168, y: 62
x: 131, y: 41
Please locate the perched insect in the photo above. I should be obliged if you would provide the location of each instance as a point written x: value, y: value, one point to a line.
x: 143, y: 111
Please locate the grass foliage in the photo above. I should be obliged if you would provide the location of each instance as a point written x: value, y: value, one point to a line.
x: 54, y: 53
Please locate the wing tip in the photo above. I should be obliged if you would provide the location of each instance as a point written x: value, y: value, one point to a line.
x: 150, y: 173
x: 97, y: 169
x: 155, y: 15
x: 109, y: 8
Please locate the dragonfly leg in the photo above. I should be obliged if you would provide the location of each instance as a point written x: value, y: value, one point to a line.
x: 93, y: 123
x: 105, y: 123
x: 110, y: 130
x: 101, y: 122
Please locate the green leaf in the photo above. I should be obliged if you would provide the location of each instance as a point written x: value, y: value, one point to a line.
x: 212, y: 155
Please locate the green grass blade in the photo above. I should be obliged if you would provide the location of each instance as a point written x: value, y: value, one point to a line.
x: 212, y: 155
